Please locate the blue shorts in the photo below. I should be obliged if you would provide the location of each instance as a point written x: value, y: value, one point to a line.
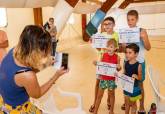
x: 136, y: 92
x: 136, y: 95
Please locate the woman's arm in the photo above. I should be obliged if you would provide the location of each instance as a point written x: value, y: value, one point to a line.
x: 29, y: 81
x: 144, y: 37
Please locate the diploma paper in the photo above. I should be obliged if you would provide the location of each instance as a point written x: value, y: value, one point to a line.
x: 105, y: 69
x: 100, y: 40
x: 129, y: 35
x: 125, y: 82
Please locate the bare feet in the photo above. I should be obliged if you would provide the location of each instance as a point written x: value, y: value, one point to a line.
x: 109, y: 106
x: 142, y: 110
x: 123, y: 107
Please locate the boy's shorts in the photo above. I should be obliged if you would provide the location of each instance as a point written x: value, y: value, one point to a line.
x: 107, y: 84
x: 143, y: 71
x: 136, y: 95
x: 136, y: 98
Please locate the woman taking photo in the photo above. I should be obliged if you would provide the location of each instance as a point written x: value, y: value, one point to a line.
x: 18, y: 80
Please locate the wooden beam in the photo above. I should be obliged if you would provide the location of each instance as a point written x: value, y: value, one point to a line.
x: 125, y: 3
x: 107, y: 5
x: 72, y: 2
x: 141, y: 1
x: 95, y: 1
x: 38, y: 20
x: 84, y: 22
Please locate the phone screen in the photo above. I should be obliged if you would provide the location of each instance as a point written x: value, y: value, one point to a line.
x: 65, y: 60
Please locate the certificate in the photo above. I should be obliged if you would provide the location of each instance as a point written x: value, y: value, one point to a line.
x: 125, y: 82
x: 100, y: 40
x: 129, y: 35
x: 107, y: 69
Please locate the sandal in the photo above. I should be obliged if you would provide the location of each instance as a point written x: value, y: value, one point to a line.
x: 142, y: 112
x: 109, y: 106
x: 123, y: 107
x: 91, y: 110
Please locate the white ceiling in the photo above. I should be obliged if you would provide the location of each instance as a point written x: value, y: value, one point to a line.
x: 82, y: 7
x: 27, y: 3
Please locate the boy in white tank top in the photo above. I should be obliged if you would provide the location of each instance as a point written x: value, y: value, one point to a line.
x: 144, y: 44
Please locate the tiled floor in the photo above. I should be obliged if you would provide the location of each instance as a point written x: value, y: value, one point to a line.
x: 81, y: 77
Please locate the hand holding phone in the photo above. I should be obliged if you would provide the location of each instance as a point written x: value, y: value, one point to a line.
x: 65, y: 60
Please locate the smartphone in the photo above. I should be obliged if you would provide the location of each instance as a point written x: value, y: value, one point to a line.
x: 65, y: 60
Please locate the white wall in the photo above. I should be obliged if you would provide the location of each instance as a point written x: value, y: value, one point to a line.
x: 18, y: 18
x: 154, y: 23
x: 70, y: 30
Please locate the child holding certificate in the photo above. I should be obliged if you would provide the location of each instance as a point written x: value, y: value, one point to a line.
x: 132, y: 68
x: 108, y: 82
x: 107, y: 28
x: 144, y: 44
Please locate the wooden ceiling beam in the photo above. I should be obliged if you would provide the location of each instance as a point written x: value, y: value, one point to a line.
x: 141, y: 1
x: 125, y: 3
x: 83, y: 22
x: 72, y: 2
x: 107, y: 5
x: 95, y: 1
x: 38, y: 20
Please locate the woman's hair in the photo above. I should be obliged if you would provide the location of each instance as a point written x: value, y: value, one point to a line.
x: 112, y: 41
x: 34, y: 45
x: 110, y: 19
x: 133, y: 13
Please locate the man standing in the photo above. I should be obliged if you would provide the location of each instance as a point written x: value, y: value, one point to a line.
x: 50, y: 24
x: 3, y: 44
x: 51, y: 28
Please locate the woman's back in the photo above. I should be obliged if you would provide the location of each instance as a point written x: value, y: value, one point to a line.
x: 12, y: 94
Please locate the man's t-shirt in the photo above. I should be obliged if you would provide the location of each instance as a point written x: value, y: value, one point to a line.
x: 3, y: 38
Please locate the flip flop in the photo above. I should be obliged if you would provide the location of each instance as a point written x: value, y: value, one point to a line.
x: 109, y: 106
x: 92, y: 108
x: 123, y: 107
x: 142, y: 112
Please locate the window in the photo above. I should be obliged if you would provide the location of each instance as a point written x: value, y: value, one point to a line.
x: 3, y: 17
